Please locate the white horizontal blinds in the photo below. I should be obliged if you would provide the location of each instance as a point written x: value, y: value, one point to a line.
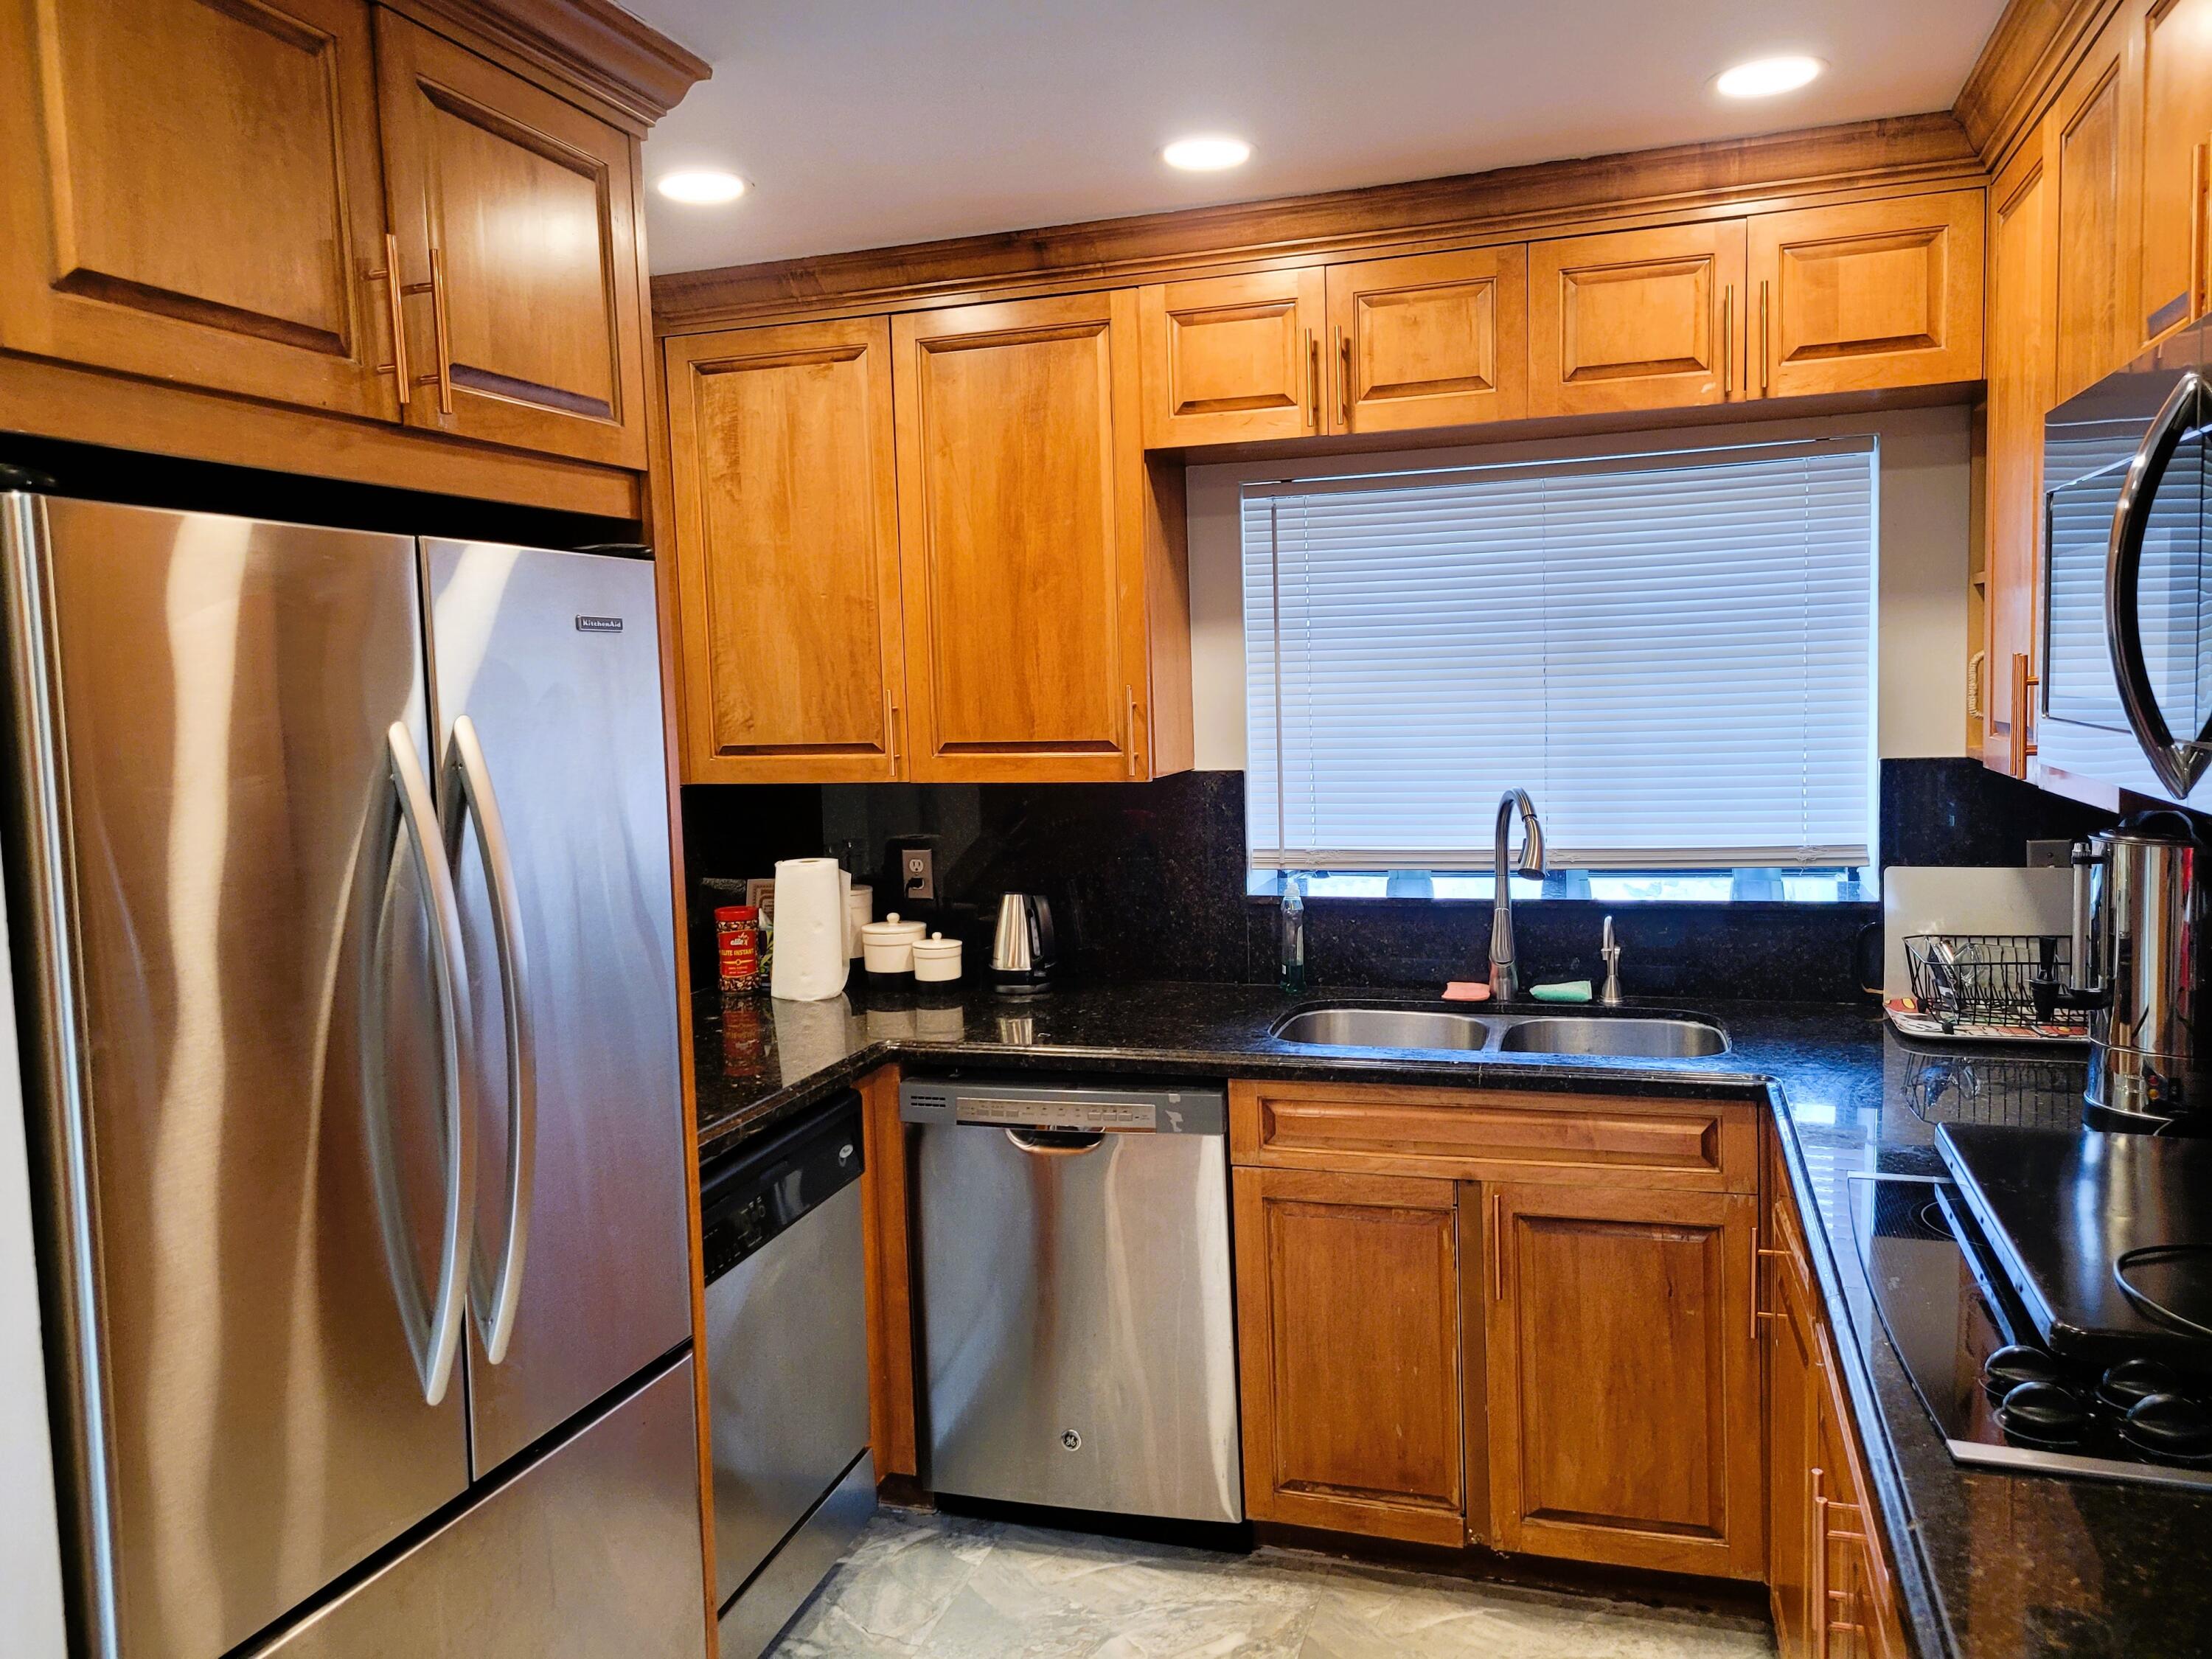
x: 1671, y: 654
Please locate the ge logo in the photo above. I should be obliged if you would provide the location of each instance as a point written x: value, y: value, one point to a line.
x: 1071, y: 1440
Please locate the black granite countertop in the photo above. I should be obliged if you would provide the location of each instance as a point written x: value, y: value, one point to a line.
x: 1990, y: 1565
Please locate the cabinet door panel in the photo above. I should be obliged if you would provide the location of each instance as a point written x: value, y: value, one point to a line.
x: 2092, y: 286
x: 1348, y: 1326
x: 1232, y: 359
x: 1792, y: 1380
x: 2020, y: 348
x: 516, y: 214
x: 2177, y: 130
x: 786, y: 543
x: 197, y: 194
x: 1868, y: 295
x: 1636, y: 320
x: 1624, y: 1378
x: 1434, y: 339
x: 1020, y: 473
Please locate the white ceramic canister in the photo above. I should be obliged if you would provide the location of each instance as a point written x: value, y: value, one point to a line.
x: 936, y: 958
x: 862, y: 905
x: 887, y: 947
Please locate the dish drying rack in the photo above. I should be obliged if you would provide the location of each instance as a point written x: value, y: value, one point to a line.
x: 1987, y: 988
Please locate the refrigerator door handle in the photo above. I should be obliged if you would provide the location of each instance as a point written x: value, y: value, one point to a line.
x: 497, y: 1294
x: 2178, y: 762
x: 436, y: 1342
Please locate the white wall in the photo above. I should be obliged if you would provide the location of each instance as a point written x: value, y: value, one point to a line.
x: 1925, y: 491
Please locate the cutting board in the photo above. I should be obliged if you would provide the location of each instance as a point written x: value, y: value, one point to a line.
x: 1947, y: 900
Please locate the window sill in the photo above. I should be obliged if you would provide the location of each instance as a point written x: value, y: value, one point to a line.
x: 1791, y: 889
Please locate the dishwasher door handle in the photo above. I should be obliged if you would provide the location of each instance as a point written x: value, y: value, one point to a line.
x: 1073, y: 1144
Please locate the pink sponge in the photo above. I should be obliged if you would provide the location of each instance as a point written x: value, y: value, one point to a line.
x: 1464, y: 990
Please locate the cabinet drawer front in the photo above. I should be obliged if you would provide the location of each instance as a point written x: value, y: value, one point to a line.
x: 1870, y: 294
x: 1635, y: 320
x: 1434, y: 339
x: 1473, y: 1135
x: 1348, y: 1314
x: 1232, y: 359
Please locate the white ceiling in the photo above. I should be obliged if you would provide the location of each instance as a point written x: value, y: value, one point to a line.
x: 865, y: 122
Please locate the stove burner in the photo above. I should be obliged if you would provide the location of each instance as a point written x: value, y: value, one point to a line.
x: 2043, y: 1414
x: 2008, y: 1368
x: 2172, y: 1429
x: 2124, y: 1385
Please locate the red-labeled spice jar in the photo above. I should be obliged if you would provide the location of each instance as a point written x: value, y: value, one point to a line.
x: 737, y: 946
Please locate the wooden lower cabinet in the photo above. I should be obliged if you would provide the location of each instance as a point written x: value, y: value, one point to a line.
x: 1348, y: 1298
x: 1624, y: 1377
x: 1829, y: 1582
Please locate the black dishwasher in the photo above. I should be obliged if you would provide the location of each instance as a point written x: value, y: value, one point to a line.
x: 786, y: 1368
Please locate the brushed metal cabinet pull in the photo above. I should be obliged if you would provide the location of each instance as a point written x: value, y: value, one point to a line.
x: 1766, y: 337
x: 438, y: 326
x: 1344, y: 376
x: 1313, y: 382
x: 1497, y: 1247
x: 396, y: 309
x: 2200, y: 165
x: 1130, y: 759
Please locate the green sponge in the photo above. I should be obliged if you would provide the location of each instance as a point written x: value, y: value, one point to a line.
x: 1572, y: 990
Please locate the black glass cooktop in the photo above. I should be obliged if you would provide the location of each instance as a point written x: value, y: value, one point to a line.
x: 2062, y: 1209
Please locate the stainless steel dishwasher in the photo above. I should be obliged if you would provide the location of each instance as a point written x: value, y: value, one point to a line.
x: 1078, y: 1330
x: 786, y: 1369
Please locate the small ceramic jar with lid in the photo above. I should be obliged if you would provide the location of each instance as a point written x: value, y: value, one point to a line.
x: 887, y: 947
x: 936, y: 958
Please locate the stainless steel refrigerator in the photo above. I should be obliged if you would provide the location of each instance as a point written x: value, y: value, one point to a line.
x: 338, y: 873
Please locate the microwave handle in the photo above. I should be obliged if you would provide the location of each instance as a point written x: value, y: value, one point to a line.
x: 2178, y: 764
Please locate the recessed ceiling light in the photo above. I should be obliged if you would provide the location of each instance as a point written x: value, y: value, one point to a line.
x: 1763, y: 77
x: 702, y: 186
x: 1209, y: 153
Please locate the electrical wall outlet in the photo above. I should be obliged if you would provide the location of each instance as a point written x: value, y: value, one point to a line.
x: 917, y: 875
x: 2050, y: 855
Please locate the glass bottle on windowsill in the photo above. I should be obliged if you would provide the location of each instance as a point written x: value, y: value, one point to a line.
x: 1292, y: 928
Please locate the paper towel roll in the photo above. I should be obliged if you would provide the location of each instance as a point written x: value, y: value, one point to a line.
x: 811, y: 901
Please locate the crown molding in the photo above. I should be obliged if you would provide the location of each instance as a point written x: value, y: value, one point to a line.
x: 591, y: 44
x: 1547, y: 198
x: 2029, y: 53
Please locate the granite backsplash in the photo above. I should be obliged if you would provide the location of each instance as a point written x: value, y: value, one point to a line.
x: 1147, y: 881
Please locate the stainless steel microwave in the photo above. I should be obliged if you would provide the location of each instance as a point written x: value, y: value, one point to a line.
x: 2126, y: 697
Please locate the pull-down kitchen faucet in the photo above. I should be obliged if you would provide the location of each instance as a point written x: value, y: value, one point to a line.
x: 1505, y: 982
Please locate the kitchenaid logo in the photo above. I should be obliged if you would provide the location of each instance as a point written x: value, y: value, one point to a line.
x: 598, y: 624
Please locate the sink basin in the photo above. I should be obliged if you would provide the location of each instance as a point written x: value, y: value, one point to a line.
x: 1357, y: 1027
x: 1640, y: 1039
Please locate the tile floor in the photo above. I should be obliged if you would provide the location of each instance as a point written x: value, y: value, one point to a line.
x: 931, y: 1587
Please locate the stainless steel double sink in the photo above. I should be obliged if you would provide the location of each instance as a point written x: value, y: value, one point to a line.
x: 1635, y: 1036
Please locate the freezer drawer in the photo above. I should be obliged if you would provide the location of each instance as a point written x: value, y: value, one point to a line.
x: 593, y: 1550
x: 1077, y: 1328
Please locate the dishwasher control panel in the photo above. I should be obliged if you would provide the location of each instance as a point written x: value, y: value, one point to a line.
x: 1202, y: 1110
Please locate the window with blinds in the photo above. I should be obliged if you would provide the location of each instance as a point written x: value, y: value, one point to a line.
x: 1673, y: 654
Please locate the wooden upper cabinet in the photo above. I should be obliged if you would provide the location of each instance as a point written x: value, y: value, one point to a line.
x: 516, y: 217
x: 1042, y: 557
x: 2087, y: 138
x: 1348, y: 1297
x: 2176, y: 78
x: 1867, y: 294
x: 195, y: 194
x: 1637, y: 319
x: 2020, y: 349
x: 787, y: 552
x: 1232, y: 359
x: 1432, y: 339
x: 1624, y: 1377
